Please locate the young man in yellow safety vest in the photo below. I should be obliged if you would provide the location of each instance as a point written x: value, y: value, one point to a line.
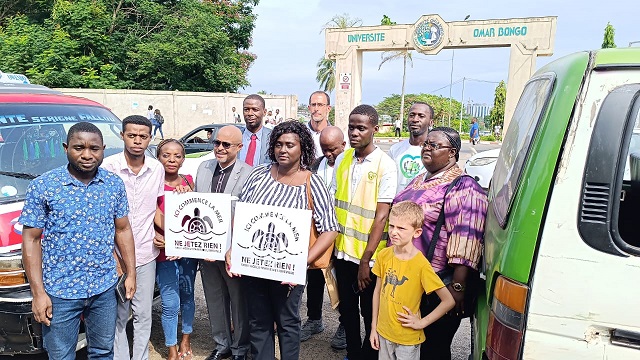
x: 364, y: 182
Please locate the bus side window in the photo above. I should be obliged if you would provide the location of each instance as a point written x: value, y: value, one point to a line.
x: 630, y: 197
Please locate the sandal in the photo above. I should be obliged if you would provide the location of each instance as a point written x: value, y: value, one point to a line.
x: 185, y: 356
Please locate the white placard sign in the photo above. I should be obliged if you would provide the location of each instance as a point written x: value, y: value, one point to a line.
x: 197, y: 225
x: 271, y: 242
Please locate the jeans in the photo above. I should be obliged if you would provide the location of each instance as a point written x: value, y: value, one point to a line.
x: 156, y: 128
x: 176, y: 282
x: 99, y: 311
x: 351, y: 306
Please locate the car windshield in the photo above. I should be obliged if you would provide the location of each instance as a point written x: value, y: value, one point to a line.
x: 31, y: 137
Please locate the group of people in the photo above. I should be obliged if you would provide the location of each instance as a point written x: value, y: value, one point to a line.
x: 156, y: 120
x: 406, y: 236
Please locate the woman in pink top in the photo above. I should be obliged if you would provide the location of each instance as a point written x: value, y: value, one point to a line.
x: 175, y: 276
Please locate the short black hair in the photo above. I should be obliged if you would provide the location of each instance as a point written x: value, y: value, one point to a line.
x: 306, y: 141
x: 84, y: 127
x: 320, y: 92
x: 453, y: 136
x: 150, y: 107
x: 136, y: 120
x: 368, y: 111
x: 425, y: 104
x: 255, y: 97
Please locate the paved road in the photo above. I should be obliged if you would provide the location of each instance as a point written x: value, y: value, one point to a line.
x: 318, y: 346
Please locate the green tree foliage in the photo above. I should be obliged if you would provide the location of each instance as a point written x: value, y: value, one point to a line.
x: 341, y: 22
x: 187, y: 45
x: 387, y: 21
x: 326, y: 75
x: 390, y: 105
x: 609, y: 34
x: 497, y: 112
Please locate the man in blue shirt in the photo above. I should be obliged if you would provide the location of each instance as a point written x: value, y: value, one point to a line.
x: 82, y: 211
x: 474, y: 133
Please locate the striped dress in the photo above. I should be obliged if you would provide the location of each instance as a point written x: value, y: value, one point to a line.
x: 262, y: 188
x: 462, y: 235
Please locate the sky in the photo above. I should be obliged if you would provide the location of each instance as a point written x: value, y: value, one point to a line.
x: 288, y: 42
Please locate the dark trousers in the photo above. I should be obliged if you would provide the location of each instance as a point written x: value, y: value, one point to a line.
x: 439, y: 335
x: 269, y: 302
x: 315, y: 293
x: 397, y: 132
x: 347, y: 277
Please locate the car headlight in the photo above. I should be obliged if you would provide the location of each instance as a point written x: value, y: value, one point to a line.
x: 482, y: 161
x: 11, y: 270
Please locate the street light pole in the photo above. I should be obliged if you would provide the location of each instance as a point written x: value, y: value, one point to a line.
x: 453, y: 52
x: 461, y: 107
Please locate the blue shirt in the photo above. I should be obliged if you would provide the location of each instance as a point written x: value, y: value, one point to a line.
x: 79, y: 230
x: 474, y: 128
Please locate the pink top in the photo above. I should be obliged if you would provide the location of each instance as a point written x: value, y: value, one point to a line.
x: 143, y: 191
x: 162, y: 257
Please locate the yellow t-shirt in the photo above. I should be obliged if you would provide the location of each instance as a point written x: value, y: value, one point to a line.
x: 403, y: 283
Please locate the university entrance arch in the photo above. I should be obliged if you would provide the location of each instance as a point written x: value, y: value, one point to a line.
x: 527, y: 38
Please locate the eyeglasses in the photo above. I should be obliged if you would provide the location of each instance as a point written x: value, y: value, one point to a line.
x: 434, y: 146
x: 224, y: 144
x: 317, y: 105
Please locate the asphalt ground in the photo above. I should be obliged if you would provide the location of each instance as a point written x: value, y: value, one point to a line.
x: 315, y: 348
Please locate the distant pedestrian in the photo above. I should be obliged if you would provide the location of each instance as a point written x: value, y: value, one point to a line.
x: 404, y: 275
x: 398, y: 127
x: 150, y: 113
x: 82, y: 211
x: 474, y: 133
x: 236, y: 115
x: 157, y: 122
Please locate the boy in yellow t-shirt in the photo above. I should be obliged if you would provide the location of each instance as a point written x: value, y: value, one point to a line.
x: 404, y: 274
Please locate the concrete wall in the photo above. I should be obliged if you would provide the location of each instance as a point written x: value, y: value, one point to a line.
x: 182, y: 111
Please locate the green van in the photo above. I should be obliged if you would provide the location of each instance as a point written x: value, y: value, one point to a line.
x: 562, y: 254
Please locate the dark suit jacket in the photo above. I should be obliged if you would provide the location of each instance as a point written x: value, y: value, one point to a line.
x: 234, y: 185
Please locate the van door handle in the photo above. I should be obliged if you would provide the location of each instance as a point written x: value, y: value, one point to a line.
x: 630, y: 339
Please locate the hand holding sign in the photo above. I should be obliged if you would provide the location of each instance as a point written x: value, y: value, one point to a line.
x: 271, y: 242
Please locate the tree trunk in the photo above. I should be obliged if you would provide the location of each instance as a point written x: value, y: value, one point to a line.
x: 404, y: 78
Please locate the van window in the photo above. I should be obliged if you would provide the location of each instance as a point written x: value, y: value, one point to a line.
x: 629, y: 204
x: 515, y: 149
x: 31, y: 137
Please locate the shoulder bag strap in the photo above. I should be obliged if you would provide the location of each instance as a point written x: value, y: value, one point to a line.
x: 440, y: 222
x: 187, y: 181
x: 308, y: 189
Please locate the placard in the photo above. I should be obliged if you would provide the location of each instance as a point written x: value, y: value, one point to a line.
x: 271, y: 242
x: 197, y: 225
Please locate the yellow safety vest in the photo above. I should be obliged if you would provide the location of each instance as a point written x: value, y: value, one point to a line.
x: 357, y: 213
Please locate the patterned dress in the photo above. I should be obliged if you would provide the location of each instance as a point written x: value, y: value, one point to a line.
x: 462, y: 235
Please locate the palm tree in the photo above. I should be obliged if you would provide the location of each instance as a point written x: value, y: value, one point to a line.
x: 393, y: 55
x: 326, y: 75
x: 341, y: 22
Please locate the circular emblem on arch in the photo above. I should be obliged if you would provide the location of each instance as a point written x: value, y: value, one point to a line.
x: 428, y: 34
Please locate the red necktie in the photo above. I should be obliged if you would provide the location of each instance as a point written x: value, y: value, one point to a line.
x: 252, y: 150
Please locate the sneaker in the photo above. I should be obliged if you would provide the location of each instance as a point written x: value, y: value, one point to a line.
x: 309, y: 328
x: 339, y: 339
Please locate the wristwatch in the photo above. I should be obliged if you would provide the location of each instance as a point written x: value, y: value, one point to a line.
x: 457, y: 287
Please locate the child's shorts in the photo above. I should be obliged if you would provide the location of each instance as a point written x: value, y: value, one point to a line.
x: 392, y: 351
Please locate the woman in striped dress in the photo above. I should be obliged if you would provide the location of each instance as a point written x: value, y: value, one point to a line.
x: 284, y: 183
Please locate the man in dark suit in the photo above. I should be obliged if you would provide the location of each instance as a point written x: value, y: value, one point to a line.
x: 225, y: 296
x: 255, y: 137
